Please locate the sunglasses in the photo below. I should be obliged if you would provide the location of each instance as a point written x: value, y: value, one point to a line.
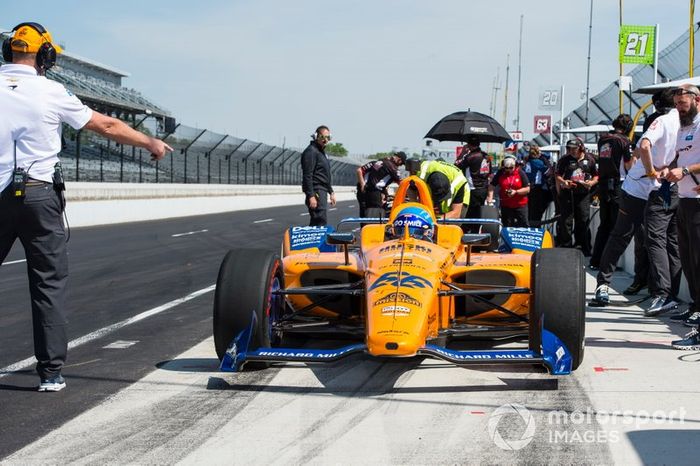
x: 679, y: 92
x: 324, y: 138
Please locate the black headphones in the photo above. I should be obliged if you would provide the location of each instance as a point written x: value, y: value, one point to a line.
x: 45, y: 56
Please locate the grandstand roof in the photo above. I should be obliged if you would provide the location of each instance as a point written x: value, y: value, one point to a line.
x: 99, y: 85
x: 605, y: 106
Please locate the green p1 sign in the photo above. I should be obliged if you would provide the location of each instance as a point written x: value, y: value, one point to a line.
x: 637, y: 44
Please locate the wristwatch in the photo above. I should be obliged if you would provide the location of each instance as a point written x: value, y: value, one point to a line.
x: 685, y: 171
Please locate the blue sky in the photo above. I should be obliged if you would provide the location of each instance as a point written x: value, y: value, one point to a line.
x: 379, y: 73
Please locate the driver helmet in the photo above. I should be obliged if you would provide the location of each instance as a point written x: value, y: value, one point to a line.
x: 418, y: 221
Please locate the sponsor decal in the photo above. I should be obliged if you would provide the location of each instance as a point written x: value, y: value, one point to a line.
x: 686, y: 148
x: 404, y: 261
x: 478, y: 129
x: 397, y: 310
x: 560, y: 353
x: 409, y: 247
x: 397, y: 297
x: 392, y: 332
x: 605, y: 151
x: 309, y: 237
x: 688, y: 137
x: 529, y: 239
x: 403, y: 279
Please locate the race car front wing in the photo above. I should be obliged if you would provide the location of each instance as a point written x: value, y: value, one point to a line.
x: 554, y: 356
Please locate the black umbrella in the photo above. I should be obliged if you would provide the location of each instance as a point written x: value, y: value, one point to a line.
x: 461, y: 125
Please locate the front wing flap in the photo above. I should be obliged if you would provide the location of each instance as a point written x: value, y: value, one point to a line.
x: 555, y: 356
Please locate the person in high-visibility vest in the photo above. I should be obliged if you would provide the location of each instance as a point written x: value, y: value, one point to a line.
x: 448, y: 187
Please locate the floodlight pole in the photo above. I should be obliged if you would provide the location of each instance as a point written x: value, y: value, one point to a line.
x: 588, y: 68
x: 245, y: 164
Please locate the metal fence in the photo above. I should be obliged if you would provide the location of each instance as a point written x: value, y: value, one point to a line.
x: 200, y: 156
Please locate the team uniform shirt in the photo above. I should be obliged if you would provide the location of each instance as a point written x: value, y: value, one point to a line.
x: 572, y: 169
x: 613, y: 150
x: 515, y: 180
x: 476, y: 168
x: 662, y: 135
x: 37, y: 107
x: 378, y: 175
x: 689, y: 154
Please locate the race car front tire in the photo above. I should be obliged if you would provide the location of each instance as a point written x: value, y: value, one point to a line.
x: 247, y: 278
x: 559, y: 299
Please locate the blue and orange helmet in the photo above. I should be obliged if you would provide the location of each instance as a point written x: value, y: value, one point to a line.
x: 418, y: 221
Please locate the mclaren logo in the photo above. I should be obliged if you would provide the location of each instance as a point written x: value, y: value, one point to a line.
x: 397, y: 297
x: 403, y: 279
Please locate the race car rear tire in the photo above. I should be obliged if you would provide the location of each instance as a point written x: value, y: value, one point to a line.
x: 494, y: 229
x: 559, y: 299
x: 245, y: 283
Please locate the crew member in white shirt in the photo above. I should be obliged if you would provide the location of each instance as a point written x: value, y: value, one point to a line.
x: 686, y: 172
x: 31, y: 197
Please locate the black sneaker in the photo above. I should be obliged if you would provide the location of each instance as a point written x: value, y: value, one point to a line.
x: 659, y: 305
x: 682, y: 315
x: 693, y: 320
x: 53, y: 384
x: 690, y: 342
x: 634, y: 288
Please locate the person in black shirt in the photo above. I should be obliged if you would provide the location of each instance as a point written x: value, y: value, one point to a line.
x: 374, y: 177
x: 576, y: 175
x: 614, y: 149
x: 476, y: 166
x: 316, y: 177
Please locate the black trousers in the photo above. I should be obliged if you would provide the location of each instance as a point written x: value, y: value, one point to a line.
x: 37, y: 221
x: 536, y: 202
x: 514, y: 217
x: 361, y: 200
x: 689, y: 244
x: 575, y: 211
x: 660, y: 223
x: 641, y: 256
x: 629, y: 217
x: 477, y: 198
x: 609, y: 198
x: 319, y: 215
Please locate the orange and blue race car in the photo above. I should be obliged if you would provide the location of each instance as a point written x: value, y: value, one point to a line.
x: 408, y: 286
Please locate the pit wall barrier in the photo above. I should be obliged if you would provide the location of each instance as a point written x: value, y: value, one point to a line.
x: 91, y: 204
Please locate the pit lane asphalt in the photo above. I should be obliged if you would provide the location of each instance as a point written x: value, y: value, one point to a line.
x: 117, y: 272
x: 361, y: 410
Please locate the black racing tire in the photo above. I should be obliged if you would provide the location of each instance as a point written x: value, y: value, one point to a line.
x: 245, y: 283
x: 494, y: 229
x: 558, y: 300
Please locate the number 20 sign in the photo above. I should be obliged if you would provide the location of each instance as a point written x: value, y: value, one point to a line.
x: 637, y: 44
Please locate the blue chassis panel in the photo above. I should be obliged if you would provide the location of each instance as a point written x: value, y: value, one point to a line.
x: 555, y: 356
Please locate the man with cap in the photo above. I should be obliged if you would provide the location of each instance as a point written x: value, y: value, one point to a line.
x: 373, y: 179
x: 476, y: 166
x: 31, y: 198
x: 513, y: 188
x: 448, y: 187
x: 576, y: 174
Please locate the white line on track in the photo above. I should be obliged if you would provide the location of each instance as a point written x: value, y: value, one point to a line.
x: 304, y: 214
x: 188, y: 233
x: 110, y: 328
x: 334, y: 208
x: 14, y: 262
x: 264, y: 220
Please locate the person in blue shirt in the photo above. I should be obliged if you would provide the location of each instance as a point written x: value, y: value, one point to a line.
x: 537, y: 169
